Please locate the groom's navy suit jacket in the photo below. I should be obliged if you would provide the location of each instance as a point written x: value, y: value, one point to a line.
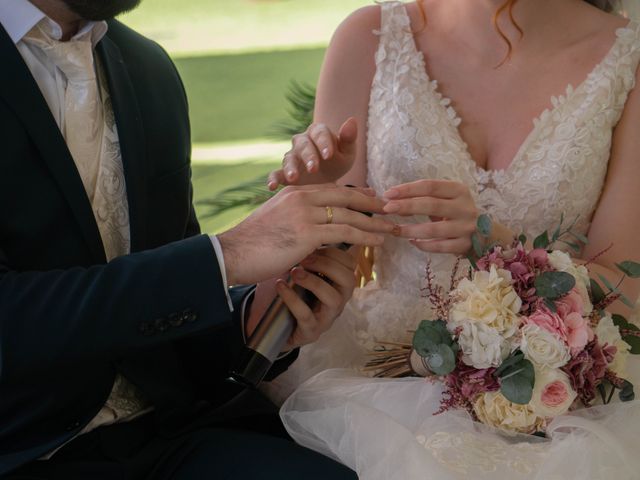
x: 68, y: 321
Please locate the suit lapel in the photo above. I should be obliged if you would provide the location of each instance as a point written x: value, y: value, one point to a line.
x: 21, y: 93
x: 131, y: 136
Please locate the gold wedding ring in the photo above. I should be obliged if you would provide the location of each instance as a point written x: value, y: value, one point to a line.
x: 329, y: 214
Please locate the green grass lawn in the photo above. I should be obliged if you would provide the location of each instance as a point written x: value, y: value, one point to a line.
x: 188, y: 26
x: 240, y: 97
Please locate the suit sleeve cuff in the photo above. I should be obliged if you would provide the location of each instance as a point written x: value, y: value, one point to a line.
x: 220, y: 257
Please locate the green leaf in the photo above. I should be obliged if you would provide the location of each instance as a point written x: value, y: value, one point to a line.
x: 522, y: 239
x: 624, y: 299
x: 542, y: 240
x: 573, y: 246
x: 619, y: 321
x: 472, y: 262
x: 551, y: 305
x: 629, y: 268
x: 607, y: 283
x: 430, y: 335
x: 517, y: 387
x: 516, y: 357
x: 484, y: 225
x: 597, y: 294
x: 634, y: 342
x: 580, y: 237
x: 477, y: 246
x: 442, y: 361
x: 556, y: 233
x: 553, y: 285
x: 626, y: 392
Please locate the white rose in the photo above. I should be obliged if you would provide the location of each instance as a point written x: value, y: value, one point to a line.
x: 553, y: 394
x: 482, y: 346
x: 543, y: 348
x: 488, y: 299
x: 563, y: 263
x: 608, y: 333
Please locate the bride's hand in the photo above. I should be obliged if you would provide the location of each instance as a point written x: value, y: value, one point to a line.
x: 449, y: 205
x: 317, y: 155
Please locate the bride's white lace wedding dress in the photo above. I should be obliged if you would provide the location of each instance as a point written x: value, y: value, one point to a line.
x: 385, y: 429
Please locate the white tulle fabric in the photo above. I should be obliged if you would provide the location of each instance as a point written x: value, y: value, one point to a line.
x: 385, y: 429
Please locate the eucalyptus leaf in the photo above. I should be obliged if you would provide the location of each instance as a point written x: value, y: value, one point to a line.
x: 580, y: 237
x: 472, y: 261
x: 619, y: 321
x: 554, y: 285
x: 477, y: 245
x: 634, y: 342
x: 556, y: 233
x: 542, y: 240
x: 607, y: 283
x: 442, y: 361
x: 484, y: 225
x: 572, y: 245
x: 516, y: 357
x: 522, y: 239
x: 518, y: 387
x: 629, y: 268
x: 551, y: 305
x: 624, y: 299
x: 597, y: 294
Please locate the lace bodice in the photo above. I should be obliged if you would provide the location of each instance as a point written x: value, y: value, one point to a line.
x: 560, y: 168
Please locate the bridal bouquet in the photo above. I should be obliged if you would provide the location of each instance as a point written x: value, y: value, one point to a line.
x: 524, y: 337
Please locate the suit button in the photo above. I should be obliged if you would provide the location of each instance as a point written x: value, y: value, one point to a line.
x: 190, y: 316
x: 176, y: 320
x: 73, y: 426
x: 146, y: 328
x: 161, y: 324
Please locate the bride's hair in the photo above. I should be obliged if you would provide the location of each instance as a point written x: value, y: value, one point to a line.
x: 507, y: 6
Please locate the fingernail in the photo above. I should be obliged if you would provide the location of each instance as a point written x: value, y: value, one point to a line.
x: 391, y: 207
x: 325, y: 153
x: 291, y: 174
x: 281, y: 285
x: 272, y: 185
x: 396, y: 230
x: 391, y: 194
x: 310, y: 165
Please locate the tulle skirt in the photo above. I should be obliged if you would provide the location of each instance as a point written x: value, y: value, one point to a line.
x: 386, y: 429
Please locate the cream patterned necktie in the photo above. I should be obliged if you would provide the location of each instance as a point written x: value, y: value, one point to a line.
x: 83, y: 128
x: 89, y: 129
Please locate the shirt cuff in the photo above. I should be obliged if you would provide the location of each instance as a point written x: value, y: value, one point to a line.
x: 220, y: 256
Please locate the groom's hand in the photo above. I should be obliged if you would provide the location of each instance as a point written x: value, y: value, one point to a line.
x: 296, y: 222
x: 329, y: 274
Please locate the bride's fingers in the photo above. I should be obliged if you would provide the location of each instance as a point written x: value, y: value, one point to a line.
x: 431, y: 206
x: 344, y: 257
x: 441, y: 229
x: 323, y: 139
x: 432, y: 188
x: 307, y: 329
x: 306, y: 151
x: 291, y: 165
x: 457, y: 246
x: 275, y: 179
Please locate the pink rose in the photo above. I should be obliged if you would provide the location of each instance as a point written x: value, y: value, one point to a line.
x: 548, y: 320
x: 571, y: 303
x: 554, y: 394
x: 579, y: 332
x: 539, y: 257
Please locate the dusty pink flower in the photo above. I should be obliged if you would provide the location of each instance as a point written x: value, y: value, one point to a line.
x: 554, y: 394
x: 579, y: 332
x: 548, y: 320
x: 464, y: 384
x: 539, y: 257
x: 571, y: 303
x: 587, y: 369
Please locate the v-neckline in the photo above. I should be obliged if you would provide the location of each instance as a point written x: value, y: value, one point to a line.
x: 555, y: 101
